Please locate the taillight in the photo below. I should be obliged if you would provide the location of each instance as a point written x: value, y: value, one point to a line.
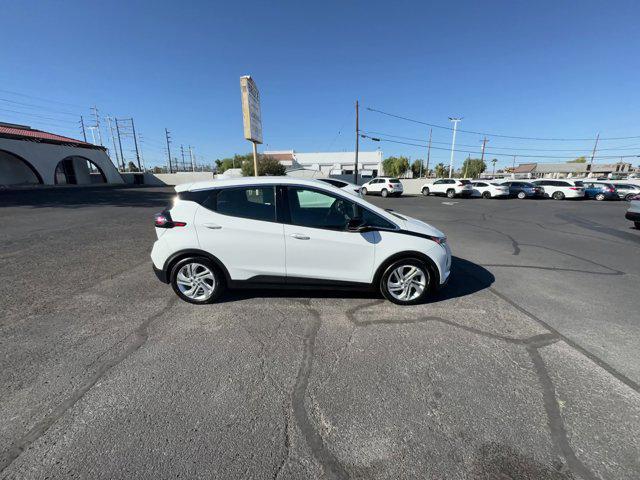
x: 164, y: 220
x: 574, y: 188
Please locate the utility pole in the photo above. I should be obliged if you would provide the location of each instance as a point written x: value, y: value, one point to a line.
x: 593, y: 154
x: 453, y: 142
x: 193, y: 165
x: 84, y: 133
x: 96, y: 116
x: 429, y: 150
x: 120, y: 143
x: 166, y: 133
x: 484, y: 142
x: 135, y: 142
x: 182, y: 155
x: 355, y: 171
x: 113, y: 139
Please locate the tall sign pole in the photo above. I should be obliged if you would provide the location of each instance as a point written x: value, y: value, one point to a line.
x: 453, y: 142
x: 355, y: 170
x: 251, y: 116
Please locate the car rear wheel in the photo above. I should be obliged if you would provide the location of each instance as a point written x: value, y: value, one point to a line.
x: 425, y: 191
x: 486, y: 194
x: 406, y: 282
x: 363, y: 191
x: 637, y: 225
x: 197, y: 280
x: 451, y: 193
x: 522, y: 195
x: 600, y: 197
x: 558, y: 196
x: 384, y: 192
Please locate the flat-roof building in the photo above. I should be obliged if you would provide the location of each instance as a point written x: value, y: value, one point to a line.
x: 330, y: 163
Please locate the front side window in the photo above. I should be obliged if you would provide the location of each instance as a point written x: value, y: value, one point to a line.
x: 370, y: 219
x: 257, y: 203
x: 315, y: 209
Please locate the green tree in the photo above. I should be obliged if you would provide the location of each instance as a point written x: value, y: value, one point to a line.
x: 415, y: 168
x: 266, y: 166
x: 441, y: 170
x: 579, y: 160
x: 472, y: 167
x: 225, y: 164
x: 395, y: 166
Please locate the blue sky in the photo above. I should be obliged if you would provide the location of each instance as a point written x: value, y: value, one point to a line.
x: 539, y: 69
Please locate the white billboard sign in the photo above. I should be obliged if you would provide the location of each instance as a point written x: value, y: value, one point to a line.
x: 251, y: 117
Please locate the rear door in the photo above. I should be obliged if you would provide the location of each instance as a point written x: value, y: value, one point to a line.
x: 238, y: 225
x: 318, y: 245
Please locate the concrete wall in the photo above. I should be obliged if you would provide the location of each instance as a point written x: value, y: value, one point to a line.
x: 44, y: 157
x: 14, y: 171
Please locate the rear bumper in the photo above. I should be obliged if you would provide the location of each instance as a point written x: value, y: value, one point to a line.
x: 161, y: 274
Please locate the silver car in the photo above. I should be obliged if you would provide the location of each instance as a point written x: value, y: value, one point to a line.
x: 627, y: 190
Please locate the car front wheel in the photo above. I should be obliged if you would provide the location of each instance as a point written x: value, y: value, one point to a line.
x: 406, y: 282
x: 629, y: 196
x: 197, y: 280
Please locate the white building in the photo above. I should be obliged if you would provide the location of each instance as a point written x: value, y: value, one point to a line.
x: 331, y: 163
x: 30, y: 157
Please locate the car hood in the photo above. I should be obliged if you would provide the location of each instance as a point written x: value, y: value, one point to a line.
x: 418, y: 226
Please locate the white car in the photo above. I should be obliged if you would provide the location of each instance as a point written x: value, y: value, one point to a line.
x: 488, y: 189
x: 451, y: 187
x: 286, y: 232
x: 633, y: 213
x: 384, y: 186
x: 351, y: 188
x: 561, y: 189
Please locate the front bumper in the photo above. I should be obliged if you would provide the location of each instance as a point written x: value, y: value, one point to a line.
x: 633, y: 216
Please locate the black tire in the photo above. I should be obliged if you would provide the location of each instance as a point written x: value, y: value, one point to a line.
x: 384, y: 193
x: 422, y: 266
x: 451, y: 193
x: 486, y: 194
x: 600, y: 197
x: 363, y: 191
x: 521, y: 195
x: 425, y: 191
x: 637, y: 225
x: 558, y: 196
x: 629, y: 196
x: 218, y: 282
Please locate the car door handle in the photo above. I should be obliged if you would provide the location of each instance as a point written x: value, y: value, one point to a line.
x: 300, y: 236
x: 213, y: 226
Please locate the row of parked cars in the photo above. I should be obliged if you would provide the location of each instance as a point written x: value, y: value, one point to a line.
x: 543, y: 188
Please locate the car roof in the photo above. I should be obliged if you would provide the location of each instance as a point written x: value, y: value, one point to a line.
x: 240, y: 181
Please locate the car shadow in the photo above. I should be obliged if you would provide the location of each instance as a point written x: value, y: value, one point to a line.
x: 466, y: 278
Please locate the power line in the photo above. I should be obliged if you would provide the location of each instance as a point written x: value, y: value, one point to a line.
x: 43, y: 107
x: 38, y: 115
x: 531, y: 149
x: 84, y: 107
x: 496, y: 134
x: 495, y: 154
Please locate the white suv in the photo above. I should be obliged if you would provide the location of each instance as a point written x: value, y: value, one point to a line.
x: 451, y: 187
x: 383, y: 186
x: 561, y: 189
x: 286, y: 232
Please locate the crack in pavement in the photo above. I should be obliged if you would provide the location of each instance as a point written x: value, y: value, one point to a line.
x: 139, y: 335
x: 314, y: 440
x: 553, y: 269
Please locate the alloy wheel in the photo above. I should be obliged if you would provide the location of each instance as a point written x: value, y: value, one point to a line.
x: 406, y: 283
x: 196, y: 281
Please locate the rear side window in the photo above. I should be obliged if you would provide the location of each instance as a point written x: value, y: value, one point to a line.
x: 394, y: 180
x: 257, y: 203
x: 578, y: 184
x: 465, y: 182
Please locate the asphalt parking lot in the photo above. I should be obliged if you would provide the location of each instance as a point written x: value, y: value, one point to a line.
x: 526, y: 366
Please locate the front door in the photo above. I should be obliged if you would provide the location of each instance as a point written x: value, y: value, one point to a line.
x: 318, y: 246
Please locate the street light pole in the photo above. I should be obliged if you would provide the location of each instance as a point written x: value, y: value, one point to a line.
x: 453, y: 143
x: 355, y: 171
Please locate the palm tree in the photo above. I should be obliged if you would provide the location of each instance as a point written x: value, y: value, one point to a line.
x: 494, y: 161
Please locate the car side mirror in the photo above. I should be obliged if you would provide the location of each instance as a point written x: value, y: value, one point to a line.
x: 357, y: 225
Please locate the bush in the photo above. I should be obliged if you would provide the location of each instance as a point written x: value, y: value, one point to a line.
x: 266, y: 166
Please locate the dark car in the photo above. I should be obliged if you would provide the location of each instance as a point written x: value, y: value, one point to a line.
x: 600, y: 190
x: 524, y: 189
